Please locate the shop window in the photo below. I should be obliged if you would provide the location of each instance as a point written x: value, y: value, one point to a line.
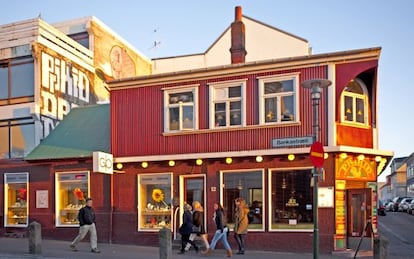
x: 180, y: 109
x: 249, y: 186
x: 227, y: 105
x: 72, y: 188
x: 154, y: 201
x: 291, y: 200
x: 16, y: 199
x: 278, y: 99
x: 355, y: 103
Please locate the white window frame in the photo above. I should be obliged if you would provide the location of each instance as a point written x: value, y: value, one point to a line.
x: 167, y: 106
x: 8, y: 206
x: 246, y: 171
x: 213, y: 88
x: 270, y: 79
x: 354, y: 97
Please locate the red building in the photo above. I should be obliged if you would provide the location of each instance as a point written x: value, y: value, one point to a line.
x: 216, y: 133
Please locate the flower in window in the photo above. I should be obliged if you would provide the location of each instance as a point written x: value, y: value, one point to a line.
x: 22, y: 194
x: 78, y: 194
x: 157, y: 195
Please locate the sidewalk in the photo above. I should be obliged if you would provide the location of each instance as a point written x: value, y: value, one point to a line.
x: 19, y: 248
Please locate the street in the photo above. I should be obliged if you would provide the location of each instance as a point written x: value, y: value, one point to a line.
x: 398, y: 228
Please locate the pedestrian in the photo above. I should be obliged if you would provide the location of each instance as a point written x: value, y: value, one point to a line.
x: 198, y: 225
x: 241, y: 223
x: 86, y: 217
x: 186, y: 229
x: 222, y: 230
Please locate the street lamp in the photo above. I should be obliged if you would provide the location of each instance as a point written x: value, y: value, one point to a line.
x: 316, y: 86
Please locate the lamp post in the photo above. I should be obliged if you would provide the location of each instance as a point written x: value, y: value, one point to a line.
x: 316, y: 86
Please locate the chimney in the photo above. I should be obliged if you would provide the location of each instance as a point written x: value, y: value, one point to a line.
x: 238, y: 31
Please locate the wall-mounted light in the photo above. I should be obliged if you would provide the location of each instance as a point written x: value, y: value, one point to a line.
x: 378, y: 159
x: 291, y: 157
x: 119, y: 166
x: 229, y: 160
x: 199, y: 161
x: 343, y: 155
x: 325, y: 155
x: 144, y: 164
x: 361, y: 157
x: 171, y: 163
x: 259, y: 159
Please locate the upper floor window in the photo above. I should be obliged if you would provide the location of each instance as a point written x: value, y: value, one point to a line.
x: 17, y: 138
x: 277, y: 99
x: 355, y: 103
x: 180, y: 109
x: 227, y: 107
x: 17, y: 81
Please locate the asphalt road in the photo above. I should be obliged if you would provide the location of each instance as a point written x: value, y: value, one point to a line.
x: 398, y: 228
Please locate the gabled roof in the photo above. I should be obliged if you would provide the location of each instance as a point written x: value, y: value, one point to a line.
x: 84, y: 130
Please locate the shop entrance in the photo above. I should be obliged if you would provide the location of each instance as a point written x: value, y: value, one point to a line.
x: 359, y: 214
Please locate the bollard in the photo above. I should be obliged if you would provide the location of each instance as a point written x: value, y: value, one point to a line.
x: 380, y: 247
x: 165, y: 243
x: 35, y: 238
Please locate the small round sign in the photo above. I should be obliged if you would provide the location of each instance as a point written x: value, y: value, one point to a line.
x: 317, y: 154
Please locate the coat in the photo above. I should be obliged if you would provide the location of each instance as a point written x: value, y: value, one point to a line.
x: 241, y: 221
x: 198, y: 221
x: 187, y: 226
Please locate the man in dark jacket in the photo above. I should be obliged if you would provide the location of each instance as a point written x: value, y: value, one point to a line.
x: 86, y: 219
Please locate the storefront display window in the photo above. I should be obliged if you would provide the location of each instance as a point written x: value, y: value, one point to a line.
x: 291, y: 200
x: 247, y: 185
x: 154, y: 201
x: 72, y: 188
x: 16, y: 199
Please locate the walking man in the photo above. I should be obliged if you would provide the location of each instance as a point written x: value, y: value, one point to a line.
x: 86, y: 219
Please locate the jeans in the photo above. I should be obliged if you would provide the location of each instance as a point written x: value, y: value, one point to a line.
x: 220, y: 235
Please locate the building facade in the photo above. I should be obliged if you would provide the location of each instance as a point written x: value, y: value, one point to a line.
x: 244, y: 130
x: 46, y: 71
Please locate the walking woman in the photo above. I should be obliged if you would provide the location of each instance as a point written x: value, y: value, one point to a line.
x: 241, y: 223
x: 198, y: 225
x: 222, y: 230
x: 186, y: 229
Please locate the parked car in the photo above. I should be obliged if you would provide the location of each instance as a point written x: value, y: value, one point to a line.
x: 411, y: 208
x: 389, y: 206
x: 381, y: 208
x: 403, y: 206
x: 396, y: 201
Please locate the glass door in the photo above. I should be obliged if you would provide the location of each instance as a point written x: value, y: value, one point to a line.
x: 194, y: 190
x: 359, y: 211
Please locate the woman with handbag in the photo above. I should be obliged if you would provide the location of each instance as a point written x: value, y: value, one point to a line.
x: 222, y: 230
x: 198, y: 225
x: 186, y: 229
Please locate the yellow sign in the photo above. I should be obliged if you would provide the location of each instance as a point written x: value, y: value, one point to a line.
x: 355, y: 169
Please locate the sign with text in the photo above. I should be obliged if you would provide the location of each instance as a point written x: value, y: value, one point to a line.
x: 289, y: 142
x: 103, y: 162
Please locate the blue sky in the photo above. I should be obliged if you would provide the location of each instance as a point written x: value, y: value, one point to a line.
x: 190, y: 26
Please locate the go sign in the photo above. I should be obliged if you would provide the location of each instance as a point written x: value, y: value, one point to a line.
x: 103, y: 162
x: 317, y: 154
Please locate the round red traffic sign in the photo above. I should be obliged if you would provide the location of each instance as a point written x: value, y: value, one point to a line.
x: 317, y: 154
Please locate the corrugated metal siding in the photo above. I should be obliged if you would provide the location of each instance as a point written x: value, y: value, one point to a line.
x: 137, y: 120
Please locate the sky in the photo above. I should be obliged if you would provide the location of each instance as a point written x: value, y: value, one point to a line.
x: 189, y: 26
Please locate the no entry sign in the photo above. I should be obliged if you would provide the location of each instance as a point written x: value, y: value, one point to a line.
x: 317, y: 154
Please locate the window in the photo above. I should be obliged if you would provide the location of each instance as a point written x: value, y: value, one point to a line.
x: 16, y: 199
x: 227, y: 104
x: 247, y: 185
x: 278, y: 99
x: 72, y: 188
x: 180, y: 109
x: 355, y: 103
x: 17, y: 138
x: 154, y: 201
x: 82, y: 38
x: 291, y: 200
x: 17, y: 81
